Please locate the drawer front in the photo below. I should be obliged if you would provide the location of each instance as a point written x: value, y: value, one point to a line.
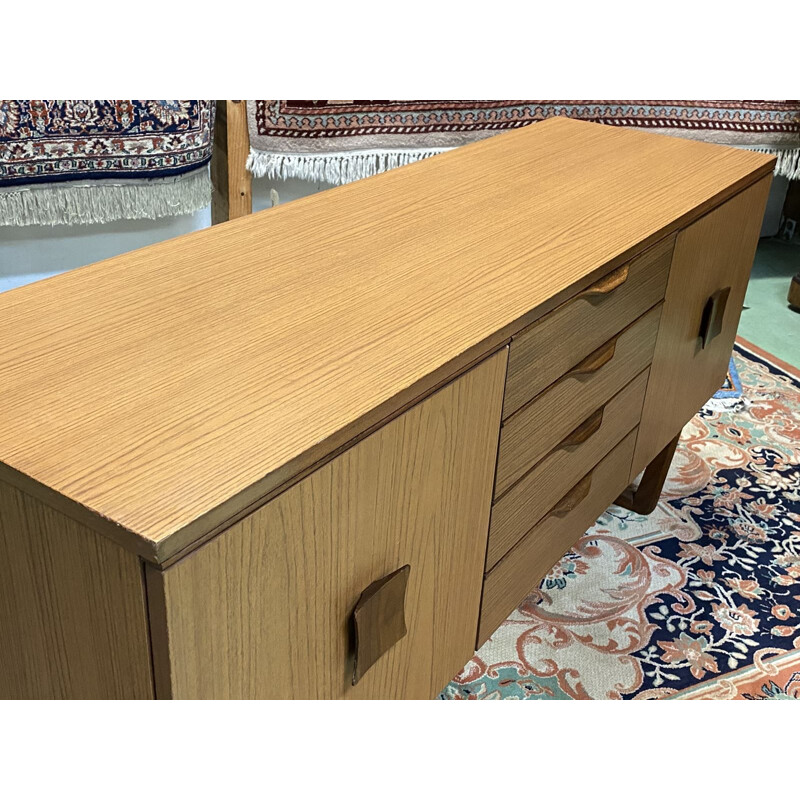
x: 538, y: 427
x: 535, y: 494
x: 371, y: 567
x: 516, y: 575
x: 554, y: 344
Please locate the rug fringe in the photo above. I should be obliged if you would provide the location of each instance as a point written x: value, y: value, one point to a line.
x: 344, y: 167
x: 788, y: 165
x: 724, y: 404
x: 99, y: 202
x: 336, y: 168
x: 729, y: 404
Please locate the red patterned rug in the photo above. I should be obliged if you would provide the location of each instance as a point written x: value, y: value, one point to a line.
x: 700, y: 599
x: 342, y: 140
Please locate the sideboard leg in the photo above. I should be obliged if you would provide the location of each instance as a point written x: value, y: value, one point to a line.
x: 645, y: 498
x: 794, y: 293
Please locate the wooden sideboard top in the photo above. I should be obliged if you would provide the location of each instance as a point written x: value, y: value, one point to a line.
x: 160, y: 393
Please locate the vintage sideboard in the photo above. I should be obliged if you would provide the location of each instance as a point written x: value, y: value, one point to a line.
x: 322, y: 451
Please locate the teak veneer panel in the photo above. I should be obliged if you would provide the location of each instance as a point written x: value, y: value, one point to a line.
x: 520, y: 571
x: 73, y: 616
x: 713, y: 253
x: 529, y: 499
x: 263, y: 610
x: 162, y: 391
x: 544, y: 352
x: 538, y: 427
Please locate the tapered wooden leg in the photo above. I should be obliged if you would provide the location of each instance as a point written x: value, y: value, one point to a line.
x: 645, y: 498
x: 794, y: 293
x: 232, y: 195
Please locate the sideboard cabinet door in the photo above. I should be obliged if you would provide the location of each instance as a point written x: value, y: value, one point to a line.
x: 396, y: 525
x: 707, y: 283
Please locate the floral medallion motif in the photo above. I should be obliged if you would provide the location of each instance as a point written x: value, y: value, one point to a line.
x: 60, y: 140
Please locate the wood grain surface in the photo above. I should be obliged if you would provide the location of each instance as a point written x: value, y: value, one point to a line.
x: 714, y: 253
x: 526, y: 564
x: 538, y: 427
x: 530, y: 499
x: 264, y: 609
x: 544, y: 352
x: 166, y: 389
x: 73, y: 618
x: 233, y: 192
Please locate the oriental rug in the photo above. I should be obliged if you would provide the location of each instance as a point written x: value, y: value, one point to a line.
x: 700, y: 599
x: 80, y: 161
x: 338, y: 141
x: 729, y: 395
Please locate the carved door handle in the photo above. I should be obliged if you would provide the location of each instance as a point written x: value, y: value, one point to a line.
x: 573, y: 497
x: 607, y: 283
x: 379, y: 619
x: 597, y: 359
x: 584, y: 431
x: 713, y: 313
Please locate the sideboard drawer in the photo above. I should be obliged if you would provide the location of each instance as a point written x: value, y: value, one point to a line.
x: 530, y: 499
x: 552, y: 345
x: 521, y: 570
x: 538, y: 427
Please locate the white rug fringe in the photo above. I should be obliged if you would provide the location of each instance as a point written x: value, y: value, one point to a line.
x: 724, y: 404
x: 336, y: 168
x: 105, y: 201
x: 345, y: 167
x: 729, y: 404
x: 788, y: 165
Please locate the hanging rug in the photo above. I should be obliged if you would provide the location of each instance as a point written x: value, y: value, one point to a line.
x: 84, y: 161
x: 338, y: 141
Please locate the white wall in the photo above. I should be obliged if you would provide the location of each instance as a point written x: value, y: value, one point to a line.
x: 35, y: 252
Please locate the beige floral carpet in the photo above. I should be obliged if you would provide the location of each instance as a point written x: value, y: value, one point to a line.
x: 700, y: 599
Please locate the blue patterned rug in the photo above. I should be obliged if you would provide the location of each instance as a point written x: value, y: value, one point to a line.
x: 730, y: 393
x: 83, y: 161
x: 700, y: 599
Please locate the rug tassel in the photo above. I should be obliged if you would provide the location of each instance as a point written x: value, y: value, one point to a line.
x: 339, y: 168
x: 65, y: 204
x: 335, y: 168
x: 788, y: 165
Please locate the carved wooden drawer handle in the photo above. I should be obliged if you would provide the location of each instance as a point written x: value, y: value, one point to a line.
x: 713, y: 312
x: 584, y: 431
x: 595, y: 360
x: 379, y: 619
x: 607, y: 283
x: 573, y: 497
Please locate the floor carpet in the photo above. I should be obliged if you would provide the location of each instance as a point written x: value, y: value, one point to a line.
x: 700, y: 599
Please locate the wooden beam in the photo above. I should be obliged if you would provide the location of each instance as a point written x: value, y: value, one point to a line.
x: 232, y: 197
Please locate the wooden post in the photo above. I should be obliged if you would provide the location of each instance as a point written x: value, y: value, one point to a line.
x: 232, y: 195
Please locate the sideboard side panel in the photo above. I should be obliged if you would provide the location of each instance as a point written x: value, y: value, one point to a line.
x: 711, y: 254
x: 263, y: 610
x: 73, y: 617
